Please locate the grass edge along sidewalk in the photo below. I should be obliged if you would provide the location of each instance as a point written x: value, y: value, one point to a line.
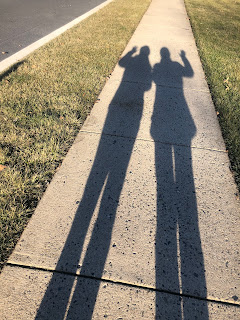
x: 45, y: 100
x: 216, y: 28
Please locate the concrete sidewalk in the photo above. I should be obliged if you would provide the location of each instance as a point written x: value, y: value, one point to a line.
x: 141, y: 221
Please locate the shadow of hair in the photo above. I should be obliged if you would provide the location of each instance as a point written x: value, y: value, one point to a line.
x: 13, y: 68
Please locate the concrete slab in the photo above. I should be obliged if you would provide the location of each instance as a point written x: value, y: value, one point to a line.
x: 144, y: 198
x: 117, y: 214
x: 73, y: 298
x: 170, y: 73
x: 179, y: 35
x: 169, y: 115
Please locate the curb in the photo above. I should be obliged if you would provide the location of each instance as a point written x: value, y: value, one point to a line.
x: 8, y: 62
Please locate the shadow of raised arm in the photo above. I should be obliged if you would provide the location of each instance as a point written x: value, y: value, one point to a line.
x: 187, y: 69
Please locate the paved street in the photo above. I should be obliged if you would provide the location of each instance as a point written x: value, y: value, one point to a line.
x: 23, y: 22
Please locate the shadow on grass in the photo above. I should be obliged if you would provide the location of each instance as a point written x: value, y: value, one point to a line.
x: 178, y: 255
x: 11, y: 69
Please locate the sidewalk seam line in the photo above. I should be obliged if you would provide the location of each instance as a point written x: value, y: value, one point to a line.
x: 132, y: 285
x: 160, y: 85
x: 153, y: 141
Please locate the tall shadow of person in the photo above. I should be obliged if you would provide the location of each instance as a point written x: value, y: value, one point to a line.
x: 106, y: 177
x: 179, y: 258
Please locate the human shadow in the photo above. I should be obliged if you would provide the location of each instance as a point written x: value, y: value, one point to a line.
x: 179, y: 257
x: 11, y: 69
x: 67, y: 297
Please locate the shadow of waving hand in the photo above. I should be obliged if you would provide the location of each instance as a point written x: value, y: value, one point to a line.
x: 70, y: 299
x: 179, y: 258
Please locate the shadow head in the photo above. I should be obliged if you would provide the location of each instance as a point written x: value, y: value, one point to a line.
x: 165, y: 54
x: 145, y: 50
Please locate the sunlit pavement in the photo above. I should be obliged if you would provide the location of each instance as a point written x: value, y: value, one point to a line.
x: 141, y: 220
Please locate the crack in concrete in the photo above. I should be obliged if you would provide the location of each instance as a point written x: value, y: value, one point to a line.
x: 160, y: 85
x: 153, y: 141
x: 128, y: 284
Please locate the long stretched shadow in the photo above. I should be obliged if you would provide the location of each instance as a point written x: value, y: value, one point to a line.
x: 66, y: 298
x: 179, y: 258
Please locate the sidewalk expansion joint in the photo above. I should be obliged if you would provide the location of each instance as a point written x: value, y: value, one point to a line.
x: 127, y: 284
x: 164, y: 85
x: 153, y: 141
x: 182, y: 88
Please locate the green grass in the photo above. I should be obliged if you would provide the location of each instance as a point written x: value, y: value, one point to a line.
x: 216, y: 27
x: 44, y: 101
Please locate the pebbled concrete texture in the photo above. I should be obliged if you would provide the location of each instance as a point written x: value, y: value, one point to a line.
x: 175, y: 117
x: 144, y: 209
x: 114, y: 301
x: 136, y: 229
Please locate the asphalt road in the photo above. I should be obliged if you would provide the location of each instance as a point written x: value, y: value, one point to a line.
x: 23, y: 22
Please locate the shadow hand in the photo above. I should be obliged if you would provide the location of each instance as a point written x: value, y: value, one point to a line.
x: 183, y: 54
x: 134, y: 49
